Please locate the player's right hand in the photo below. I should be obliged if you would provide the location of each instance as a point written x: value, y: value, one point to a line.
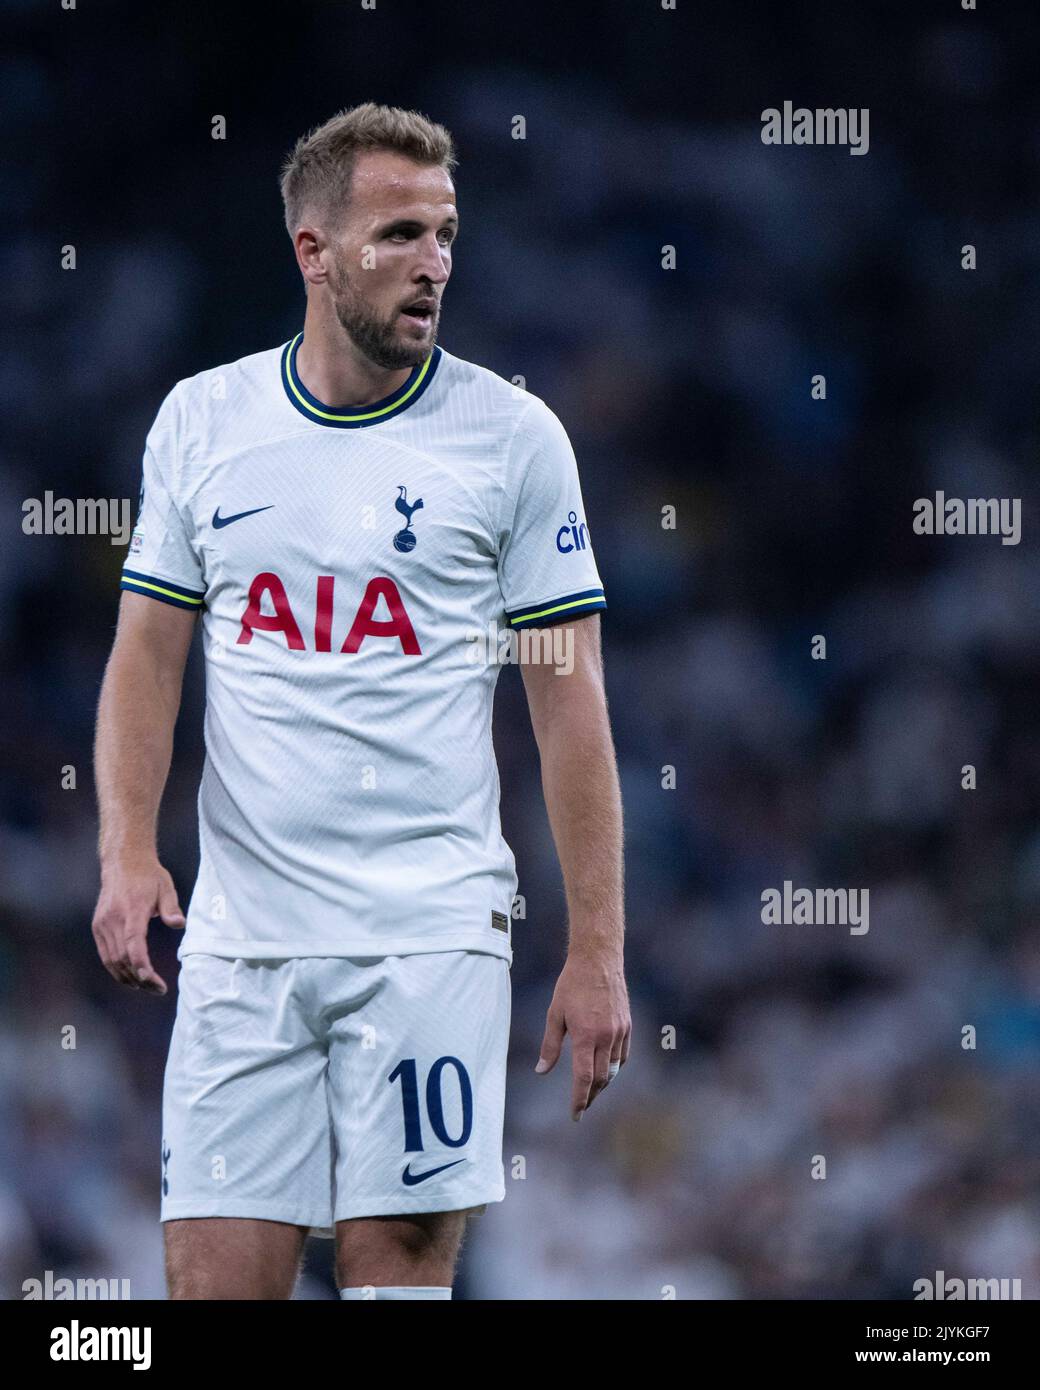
x: 131, y: 895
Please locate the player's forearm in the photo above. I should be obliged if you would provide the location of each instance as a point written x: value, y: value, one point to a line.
x: 132, y: 752
x: 583, y: 800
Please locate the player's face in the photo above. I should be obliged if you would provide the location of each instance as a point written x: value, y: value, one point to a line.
x: 400, y: 223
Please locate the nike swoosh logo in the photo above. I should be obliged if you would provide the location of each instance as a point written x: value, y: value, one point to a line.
x: 219, y: 521
x: 410, y: 1179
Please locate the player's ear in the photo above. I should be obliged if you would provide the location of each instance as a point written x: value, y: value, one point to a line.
x: 308, y: 244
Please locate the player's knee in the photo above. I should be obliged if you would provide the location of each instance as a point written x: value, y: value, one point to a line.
x: 399, y: 1250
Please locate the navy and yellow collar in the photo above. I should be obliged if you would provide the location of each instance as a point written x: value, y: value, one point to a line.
x: 352, y: 417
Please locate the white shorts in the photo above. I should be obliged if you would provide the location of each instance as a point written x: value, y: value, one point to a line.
x: 320, y: 1088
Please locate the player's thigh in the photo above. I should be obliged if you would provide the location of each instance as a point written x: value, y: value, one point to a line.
x: 246, y: 1131
x: 417, y: 1087
x: 220, y: 1257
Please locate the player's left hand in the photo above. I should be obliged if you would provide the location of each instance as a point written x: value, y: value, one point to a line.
x: 590, y: 1003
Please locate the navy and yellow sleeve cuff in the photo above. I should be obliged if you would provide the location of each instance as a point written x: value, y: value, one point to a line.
x: 558, y: 610
x: 162, y: 589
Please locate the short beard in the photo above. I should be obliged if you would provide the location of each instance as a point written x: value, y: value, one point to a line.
x: 375, y: 338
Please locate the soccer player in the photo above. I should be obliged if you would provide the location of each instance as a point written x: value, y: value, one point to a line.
x: 348, y: 512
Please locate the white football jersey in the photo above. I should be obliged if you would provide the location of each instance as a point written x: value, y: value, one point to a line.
x: 346, y: 560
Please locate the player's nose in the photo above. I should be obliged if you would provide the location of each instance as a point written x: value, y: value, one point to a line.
x: 434, y: 262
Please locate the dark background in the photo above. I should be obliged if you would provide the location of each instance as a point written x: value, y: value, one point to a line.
x: 688, y: 387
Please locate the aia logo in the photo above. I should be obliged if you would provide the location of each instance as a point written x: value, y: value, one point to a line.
x: 268, y: 586
x: 572, y: 537
x: 404, y: 541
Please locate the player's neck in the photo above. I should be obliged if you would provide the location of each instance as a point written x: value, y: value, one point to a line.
x: 333, y: 370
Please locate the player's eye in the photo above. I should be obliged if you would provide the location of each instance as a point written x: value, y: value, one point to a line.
x: 402, y: 234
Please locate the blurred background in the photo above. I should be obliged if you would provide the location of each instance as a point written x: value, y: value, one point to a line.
x: 687, y: 387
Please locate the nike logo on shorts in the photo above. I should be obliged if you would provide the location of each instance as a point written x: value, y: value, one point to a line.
x: 410, y: 1179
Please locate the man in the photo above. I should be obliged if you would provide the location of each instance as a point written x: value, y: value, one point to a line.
x: 347, y: 512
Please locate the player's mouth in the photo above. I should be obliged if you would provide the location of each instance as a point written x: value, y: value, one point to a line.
x: 420, y: 312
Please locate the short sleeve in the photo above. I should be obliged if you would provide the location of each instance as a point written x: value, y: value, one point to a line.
x: 161, y: 562
x: 547, y: 570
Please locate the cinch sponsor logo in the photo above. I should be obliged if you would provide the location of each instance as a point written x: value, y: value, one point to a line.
x: 572, y: 536
x: 268, y: 588
x: 66, y: 1289
x: 76, y: 1343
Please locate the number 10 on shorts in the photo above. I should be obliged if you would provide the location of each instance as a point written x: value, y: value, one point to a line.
x: 407, y: 1073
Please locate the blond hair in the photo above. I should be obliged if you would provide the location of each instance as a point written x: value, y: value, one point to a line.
x: 316, y: 176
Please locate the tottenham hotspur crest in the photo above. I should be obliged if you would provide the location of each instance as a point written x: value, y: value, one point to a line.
x: 405, y: 539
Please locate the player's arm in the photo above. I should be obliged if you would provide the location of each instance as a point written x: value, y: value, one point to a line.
x: 140, y: 697
x: 583, y: 800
